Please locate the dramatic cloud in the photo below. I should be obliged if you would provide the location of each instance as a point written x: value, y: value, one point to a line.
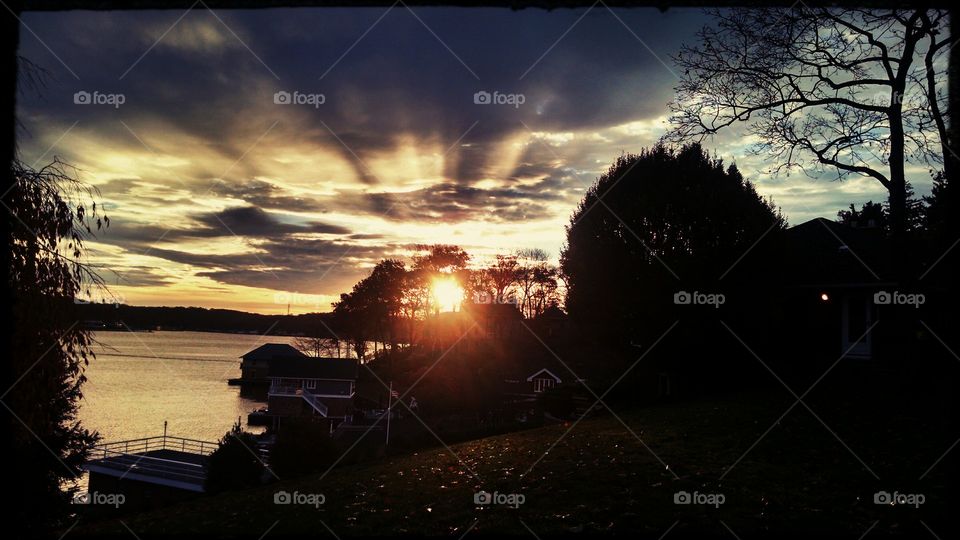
x: 253, y: 152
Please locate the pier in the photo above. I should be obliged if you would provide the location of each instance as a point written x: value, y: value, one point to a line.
x: 171, y: 463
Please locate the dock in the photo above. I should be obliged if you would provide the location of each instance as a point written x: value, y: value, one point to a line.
x: 170, y: 463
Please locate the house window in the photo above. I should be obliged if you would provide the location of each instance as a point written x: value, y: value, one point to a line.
x: 540, y: 385
x: 311, y: 384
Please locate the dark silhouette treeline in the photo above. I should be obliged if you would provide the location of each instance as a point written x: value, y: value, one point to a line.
x: 122, y: 317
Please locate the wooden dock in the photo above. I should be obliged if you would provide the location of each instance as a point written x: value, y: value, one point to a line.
x: 171, y: 462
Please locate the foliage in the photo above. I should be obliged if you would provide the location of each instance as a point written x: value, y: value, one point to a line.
x: 302, y: 447
x: 234, y: 464
x: 657, y: 223
x: 320, y: 347
x: 873, y: 214
x: 51, y: 215
x: 558, y: 401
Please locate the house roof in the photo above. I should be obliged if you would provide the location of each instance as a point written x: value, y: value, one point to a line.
x: 269, y: 351
x: 544, y: 371
x: 315, y: 368
x: 822, y: 252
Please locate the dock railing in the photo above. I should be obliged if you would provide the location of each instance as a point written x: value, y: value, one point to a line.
x: 149, y: 444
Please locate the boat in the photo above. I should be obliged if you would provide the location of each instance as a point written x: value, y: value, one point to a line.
x: 260, y: 417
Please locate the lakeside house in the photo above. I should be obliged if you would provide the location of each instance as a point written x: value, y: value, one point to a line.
x: 317, y: 388
x: 255, y: 365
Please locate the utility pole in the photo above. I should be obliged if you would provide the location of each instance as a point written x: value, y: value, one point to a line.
x: 389, y: 405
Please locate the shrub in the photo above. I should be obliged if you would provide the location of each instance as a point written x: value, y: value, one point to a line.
x: 302, y: 447
x: 234, y: 464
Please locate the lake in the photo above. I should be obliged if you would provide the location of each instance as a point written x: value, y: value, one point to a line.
x: 141, y: 379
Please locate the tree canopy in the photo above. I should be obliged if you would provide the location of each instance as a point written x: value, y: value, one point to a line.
x: 654, y: 223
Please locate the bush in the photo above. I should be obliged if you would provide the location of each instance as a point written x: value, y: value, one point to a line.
x: 302, y: 447
x: 557, y: 402
x: 234, y: 464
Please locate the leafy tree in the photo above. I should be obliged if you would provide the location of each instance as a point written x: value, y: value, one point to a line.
x: 234, y: 465
x: 373, y: 308
x: 441, y: 258
x: 940, y: 215
x: 537, y: 281
x: 655, y: 223
x: 51, y: 215
x: 431, y: 262
x: 855, y: 91
x: 871, y: 214
x: 318, y: 346
x: 502, y: 274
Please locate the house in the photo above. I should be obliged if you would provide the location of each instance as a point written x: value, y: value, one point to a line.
x: 526, y: 388
x: 835, y: 280
x: 255, y: 365
x: 307, y: 387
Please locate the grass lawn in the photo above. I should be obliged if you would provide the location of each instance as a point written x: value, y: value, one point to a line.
x: 797, y: 480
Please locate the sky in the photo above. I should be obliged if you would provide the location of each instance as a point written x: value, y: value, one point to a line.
x: 257, y: 160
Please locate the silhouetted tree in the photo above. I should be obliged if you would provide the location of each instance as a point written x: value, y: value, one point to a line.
x: 856, y: 91
x: 371, y: 310
x: 503, y: 274
x: 871, y: 214
x: 319, y: 346
x: 431, y: 262
x: 654, y: 224
x: 51, y: 215
x: 940, y: 214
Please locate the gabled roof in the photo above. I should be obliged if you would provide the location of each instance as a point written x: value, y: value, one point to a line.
x: 822, y: 252
x: 548, y: 372
x: 315, y: 368
x: 269, y: 351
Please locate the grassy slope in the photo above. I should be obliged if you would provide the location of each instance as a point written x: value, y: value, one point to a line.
x: 602, y: 479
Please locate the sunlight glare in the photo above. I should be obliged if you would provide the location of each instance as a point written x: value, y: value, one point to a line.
x: 447, y: 293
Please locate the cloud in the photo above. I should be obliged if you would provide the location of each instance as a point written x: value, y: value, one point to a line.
x: 251, y: 221
x: 204, y: 175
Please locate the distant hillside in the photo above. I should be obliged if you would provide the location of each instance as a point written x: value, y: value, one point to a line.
x: 203, y: 319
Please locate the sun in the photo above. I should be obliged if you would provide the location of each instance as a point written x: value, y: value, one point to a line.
x: 447, y: 293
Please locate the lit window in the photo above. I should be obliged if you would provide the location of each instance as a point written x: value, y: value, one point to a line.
x: 539, y: 385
